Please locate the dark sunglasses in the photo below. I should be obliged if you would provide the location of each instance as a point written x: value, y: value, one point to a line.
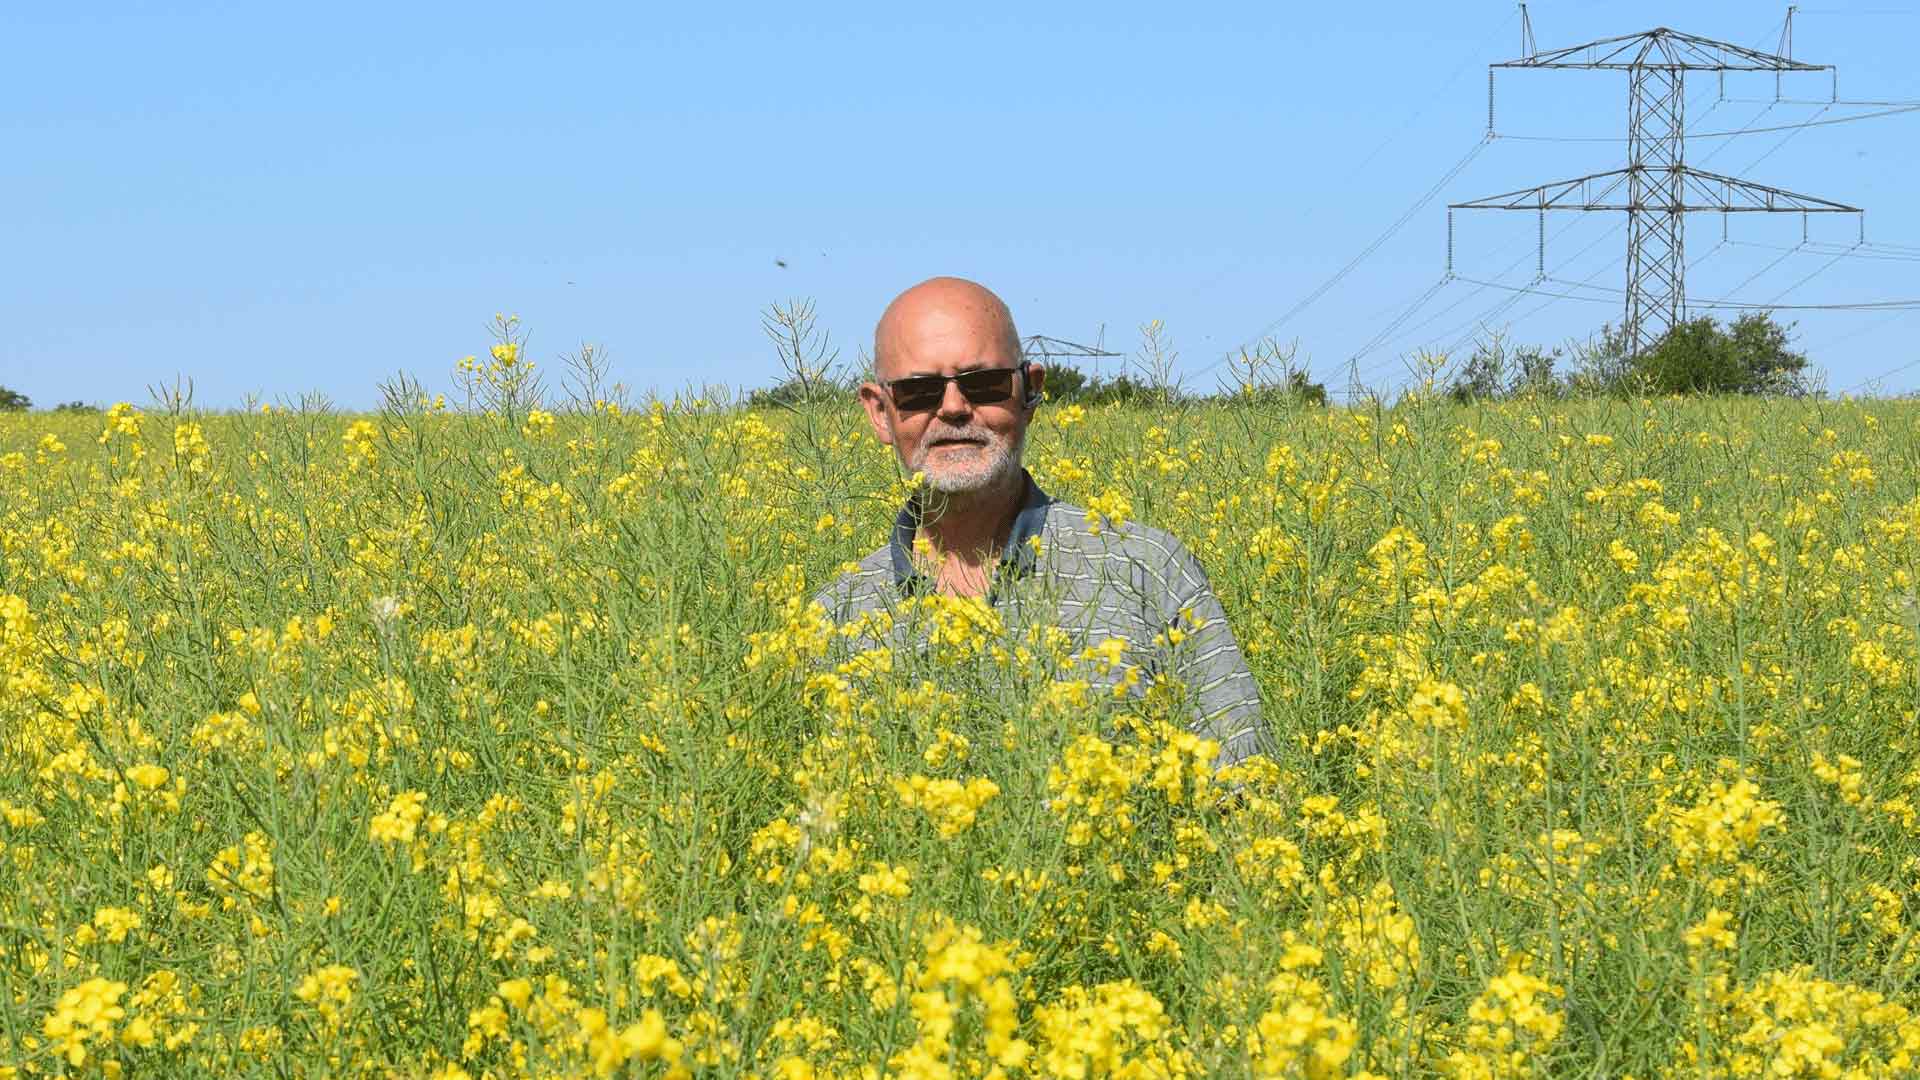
x: 982, y: 386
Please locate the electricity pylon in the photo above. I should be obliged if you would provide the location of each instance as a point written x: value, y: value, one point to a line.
x: 1044, y: 349
x: 1657, y: 189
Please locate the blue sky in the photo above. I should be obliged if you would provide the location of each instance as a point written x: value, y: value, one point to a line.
x: 271, y: 201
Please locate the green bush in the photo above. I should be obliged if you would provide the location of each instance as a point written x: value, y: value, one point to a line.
x: 797, y: 390
x: 1497, y: 371
x: 1065, y: 382
x: 1750, y: 357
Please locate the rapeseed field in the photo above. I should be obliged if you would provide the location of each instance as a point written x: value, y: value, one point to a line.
x: 437, y: 743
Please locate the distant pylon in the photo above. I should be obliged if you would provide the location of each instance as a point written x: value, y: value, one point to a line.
x: 1044, y: 349
x: 1659, y: 188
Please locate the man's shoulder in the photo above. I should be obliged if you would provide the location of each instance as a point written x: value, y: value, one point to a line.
x: 1071, y: 528
x: 859, y: 587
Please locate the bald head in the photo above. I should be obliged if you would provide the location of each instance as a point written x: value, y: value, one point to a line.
x: 938, y: 317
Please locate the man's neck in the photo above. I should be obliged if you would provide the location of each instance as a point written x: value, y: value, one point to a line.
x: 969, y: 529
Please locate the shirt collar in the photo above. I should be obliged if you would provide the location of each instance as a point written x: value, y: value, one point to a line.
x: 1017, y: 560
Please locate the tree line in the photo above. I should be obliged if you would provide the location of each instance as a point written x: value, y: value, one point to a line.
x: 1752, y: 355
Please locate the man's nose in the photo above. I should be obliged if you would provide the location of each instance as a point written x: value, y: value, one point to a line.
x: 953, y: 403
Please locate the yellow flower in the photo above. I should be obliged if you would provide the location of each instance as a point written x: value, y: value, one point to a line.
x: 148, y: 776
x: 1115, y: 1029
x: 85, y: 1014
x: 1108, y: 510
x: 644, y: 1040
x: 243, y: 871
x: 1511, y: 1028
x: 1712, y: 932
x: 115, y: 923
x: 952, y: 805
x: 329, y: 990
x: 1725, y: 825
x: 884, y: 880
x: 960, y: 970
x: 398, y: 823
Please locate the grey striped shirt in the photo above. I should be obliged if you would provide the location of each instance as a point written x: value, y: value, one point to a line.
x: 1128, y: 582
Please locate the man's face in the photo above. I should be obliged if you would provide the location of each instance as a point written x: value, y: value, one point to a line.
x: 960, y: 446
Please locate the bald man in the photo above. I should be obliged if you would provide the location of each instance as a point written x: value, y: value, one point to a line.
x: 952, y: 394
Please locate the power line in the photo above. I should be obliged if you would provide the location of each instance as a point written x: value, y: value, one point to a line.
x: 1858, y: 330
x: 1575, y: 257
x: 1426, y: 322
x: 1428, y: 103
x: 1711, y: 252
x: 1904, y: 108
x: 1618, y: 226
x: 1887, y: 374
x: 1340, y: 275
x: 1398, y: 224
x: 1412, y: 118
x: 1391, y: 231
x: 1815, y: 246
x: 1464, y: 331
x: 1817, y: 101
x: 1493, y: 313
x: 1388, y: 330
x: 1562, y: 231
x: 1762, y: 272
x: 1824, y: 267
x: 1535, y: 290
x: 1784, y: 140
x: 1909, y: 304
x: 1477, y: 323
x: 1737, y: 305
x: 1615, y: 261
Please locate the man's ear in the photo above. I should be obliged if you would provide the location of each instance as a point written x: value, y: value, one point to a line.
x: 1036, y: 383
x: 875, y: 403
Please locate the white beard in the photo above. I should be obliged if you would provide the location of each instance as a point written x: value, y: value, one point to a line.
x: 994, y: 462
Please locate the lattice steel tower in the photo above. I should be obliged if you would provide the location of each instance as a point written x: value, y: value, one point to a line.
x: 1657, y: 186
